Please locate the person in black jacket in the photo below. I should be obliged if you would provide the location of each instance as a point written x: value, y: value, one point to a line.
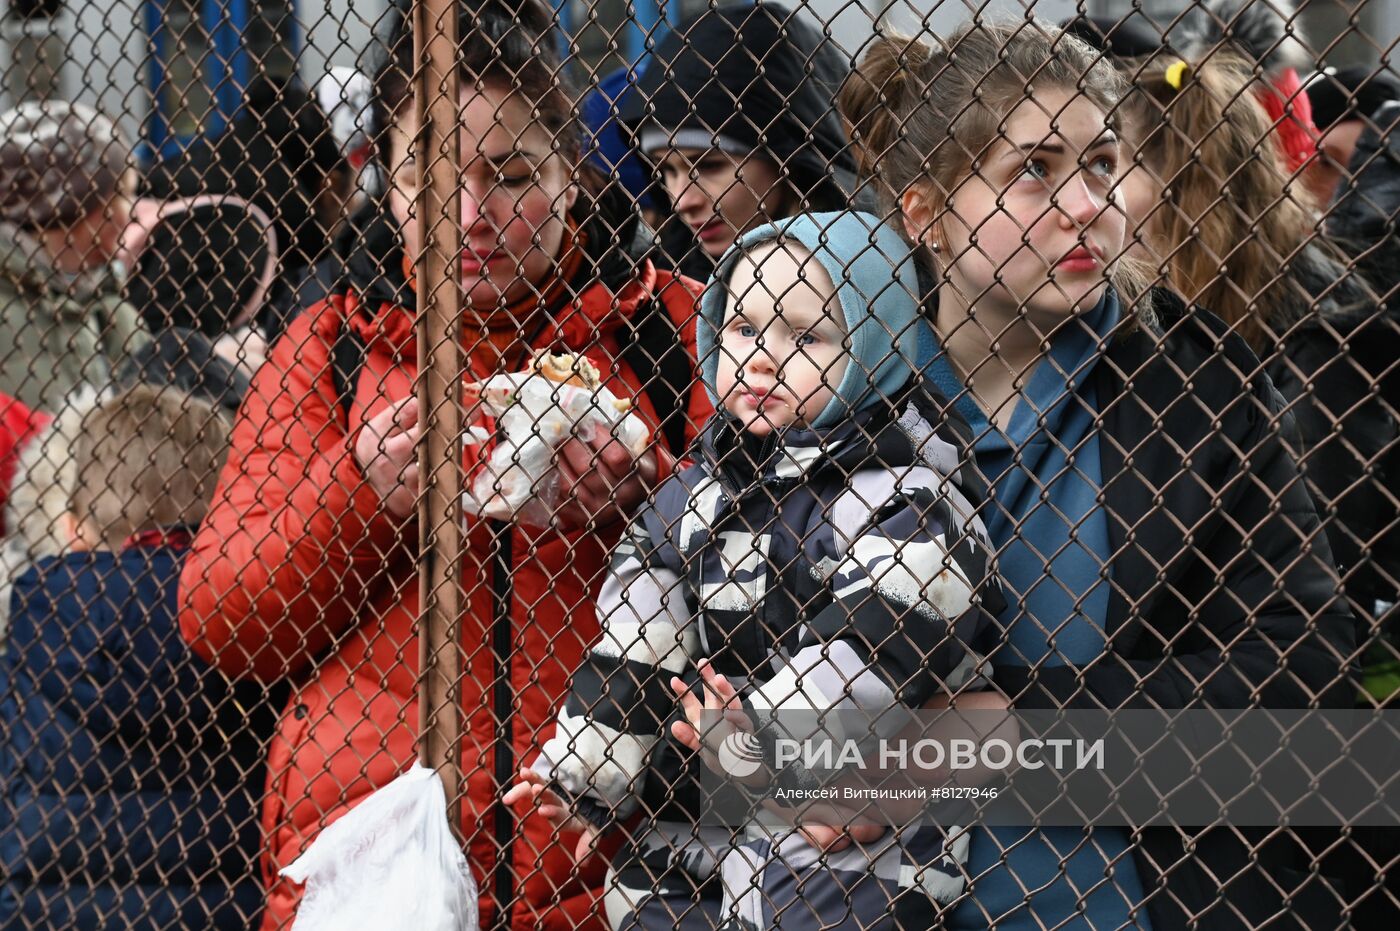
x: 1357, y: 112
x: 736, y: 111
x: 1254, y: 260
x: 1136, y: 456
x: 278, y: 154
x: 1327, y: 343
x: 1345, y: 103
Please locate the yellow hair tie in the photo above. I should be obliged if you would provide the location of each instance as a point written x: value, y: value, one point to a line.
x: 1176, y: 74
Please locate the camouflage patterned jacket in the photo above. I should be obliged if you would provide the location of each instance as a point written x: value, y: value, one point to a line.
x: 815, y: 571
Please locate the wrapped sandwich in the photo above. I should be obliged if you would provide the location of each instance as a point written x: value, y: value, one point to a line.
x: 558, y: 397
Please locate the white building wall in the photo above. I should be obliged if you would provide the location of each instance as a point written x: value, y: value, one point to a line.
x: 108, y: 54
x: 335, y: 32
x: 1385, y: 30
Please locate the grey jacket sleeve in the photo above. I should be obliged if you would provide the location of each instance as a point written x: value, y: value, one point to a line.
x: 910, y: 570
x: 621, y: 697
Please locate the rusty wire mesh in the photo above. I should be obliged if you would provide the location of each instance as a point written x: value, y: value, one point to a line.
x: 1075, y: 388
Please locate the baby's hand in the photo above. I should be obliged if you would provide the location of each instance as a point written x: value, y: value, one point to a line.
x: 534, y: 789
x: 700, y: 731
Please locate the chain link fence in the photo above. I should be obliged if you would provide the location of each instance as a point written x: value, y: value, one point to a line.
x: 553, y: 395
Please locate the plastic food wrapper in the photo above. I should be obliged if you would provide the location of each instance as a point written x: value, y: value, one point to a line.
x: 558, y: 397
x: 390, y: 864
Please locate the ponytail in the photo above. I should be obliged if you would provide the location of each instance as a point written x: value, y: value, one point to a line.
x: 1230, y: 222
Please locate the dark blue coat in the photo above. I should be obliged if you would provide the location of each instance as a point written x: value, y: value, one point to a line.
x: 131, y: 769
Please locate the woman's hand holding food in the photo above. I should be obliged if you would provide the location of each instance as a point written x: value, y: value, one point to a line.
x: 600, y: 483
x: 387, y: 452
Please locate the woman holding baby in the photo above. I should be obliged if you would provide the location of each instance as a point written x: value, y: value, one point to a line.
x: 1155, y: 546
x: 305, y: 567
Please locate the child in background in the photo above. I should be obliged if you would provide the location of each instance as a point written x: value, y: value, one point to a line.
x: 130, y: 768
x: 18, y: 425
x: 823, y: 553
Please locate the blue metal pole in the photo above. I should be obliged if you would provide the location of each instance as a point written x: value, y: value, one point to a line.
x: 646, y: 15
x: 216, y: 65
x: 228, y: 68
x: 293, y: 33
x: 563, y: 10
x: 240, y: 23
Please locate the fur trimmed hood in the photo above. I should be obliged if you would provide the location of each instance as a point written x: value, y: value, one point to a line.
x: 1268, y: 33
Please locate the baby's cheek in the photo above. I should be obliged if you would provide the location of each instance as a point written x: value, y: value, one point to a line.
x: 724, y: 387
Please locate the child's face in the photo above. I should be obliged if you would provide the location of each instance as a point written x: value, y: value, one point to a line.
x: 781, y: 352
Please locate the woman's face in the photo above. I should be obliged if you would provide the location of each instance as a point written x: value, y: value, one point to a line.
x: 1031, y: 227
x: 1335, y: 150
x: 516, y: 193
x: 720, y: 195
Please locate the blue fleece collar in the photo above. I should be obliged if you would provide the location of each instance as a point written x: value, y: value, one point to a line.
x: 1053, y: 383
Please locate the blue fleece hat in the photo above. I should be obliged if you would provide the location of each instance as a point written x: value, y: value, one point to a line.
x: 873, y: 270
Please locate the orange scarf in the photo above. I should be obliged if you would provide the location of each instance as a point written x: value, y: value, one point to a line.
x: 498, y: 340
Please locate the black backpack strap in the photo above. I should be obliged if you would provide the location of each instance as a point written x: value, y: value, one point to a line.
x: 347, y: 357
x: 657, y: 355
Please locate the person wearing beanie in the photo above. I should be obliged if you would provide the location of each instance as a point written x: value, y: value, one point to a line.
x: 63, y: 206
x: 1345, y: 104
x: 736, y: 113
x: 1360, y: 163
x: 1356, y: 110
x: 828, y: 457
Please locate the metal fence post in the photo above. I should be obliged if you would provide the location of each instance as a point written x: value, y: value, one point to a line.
x: 439, y: 392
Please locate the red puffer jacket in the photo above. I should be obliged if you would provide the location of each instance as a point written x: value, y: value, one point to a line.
x: 298, y: 572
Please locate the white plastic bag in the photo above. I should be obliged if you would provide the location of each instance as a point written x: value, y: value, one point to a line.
x: 536, y: 413
x: 390, y: 864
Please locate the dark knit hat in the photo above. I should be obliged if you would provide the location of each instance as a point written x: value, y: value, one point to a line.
x: 609, y: 149
x: 59, y: 161
x: 1132, y: 36
x: 1349, y: 94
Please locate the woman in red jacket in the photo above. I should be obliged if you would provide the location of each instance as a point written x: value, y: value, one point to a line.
x: 305, y: 567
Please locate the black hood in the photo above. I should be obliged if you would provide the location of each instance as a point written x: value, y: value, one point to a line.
x: 763, y: 76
